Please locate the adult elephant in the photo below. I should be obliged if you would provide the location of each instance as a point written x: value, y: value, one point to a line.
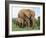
x: 27, y: 15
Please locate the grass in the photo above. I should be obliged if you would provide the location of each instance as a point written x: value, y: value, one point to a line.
x: 17, y: 28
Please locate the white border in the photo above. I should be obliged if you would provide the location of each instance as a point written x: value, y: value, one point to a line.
x: 25, y: 32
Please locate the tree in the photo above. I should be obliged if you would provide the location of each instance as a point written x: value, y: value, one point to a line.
x: 13, y: 20
x: 38, y: 23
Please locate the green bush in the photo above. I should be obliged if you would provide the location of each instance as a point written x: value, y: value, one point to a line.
x: 37, y: 24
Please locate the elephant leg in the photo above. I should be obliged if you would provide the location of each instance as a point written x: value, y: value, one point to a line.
x: 22, y: 23
x: 28, y: 24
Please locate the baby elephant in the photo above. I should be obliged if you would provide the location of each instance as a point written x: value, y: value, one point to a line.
x: 19, y: 22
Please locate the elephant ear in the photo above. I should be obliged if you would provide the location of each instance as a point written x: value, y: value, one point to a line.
x: 33, y: 13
